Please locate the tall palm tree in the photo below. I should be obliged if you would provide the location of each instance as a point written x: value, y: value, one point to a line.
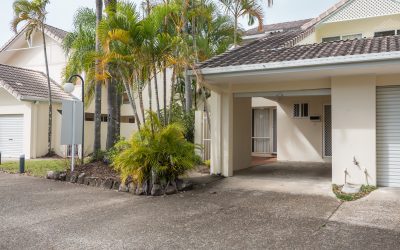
x: 34, y: 14
x: 98, y: 87
x: 250, y: 8
x: 110, y: 6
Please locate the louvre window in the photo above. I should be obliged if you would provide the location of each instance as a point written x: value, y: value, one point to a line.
x: 330, y: 39
x: 300, y: 110
x: 385, y: 33
x: 351, y: 37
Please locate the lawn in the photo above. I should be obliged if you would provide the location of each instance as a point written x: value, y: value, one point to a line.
x: 36, y: 167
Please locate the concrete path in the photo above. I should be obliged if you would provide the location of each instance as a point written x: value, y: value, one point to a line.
x: 41, y: 214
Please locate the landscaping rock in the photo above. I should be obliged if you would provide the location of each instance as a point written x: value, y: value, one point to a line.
x: 81, y: 178
x: 63, y: 176
x: 132, y: 187
x: 142, y: 189
x: 351, y: 188
x: 156, y: 190
x: 123, y: 188
x: 108, y: 183
x: 99, y: 182
x: 86, y: 180
x: 74, y: 178
x: 92, y: 181
x: 184, y: 185
x: 170, y: 190
x: 116, y: 185
x: 53, y: 175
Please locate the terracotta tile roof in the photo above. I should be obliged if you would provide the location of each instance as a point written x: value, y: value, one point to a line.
x: 30, y: 85
x: 286, y: 26
x: 265, y: 51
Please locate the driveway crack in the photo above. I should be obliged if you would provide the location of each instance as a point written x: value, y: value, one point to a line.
x: 329, y: 218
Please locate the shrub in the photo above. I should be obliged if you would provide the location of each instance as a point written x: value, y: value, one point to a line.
x: 155, y: 150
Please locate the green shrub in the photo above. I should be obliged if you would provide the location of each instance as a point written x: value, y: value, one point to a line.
x: 207, y: 163
x: 163, y: 151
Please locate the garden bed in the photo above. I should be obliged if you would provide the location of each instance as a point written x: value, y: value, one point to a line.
x: 99, y: 174
x: 364, y: 191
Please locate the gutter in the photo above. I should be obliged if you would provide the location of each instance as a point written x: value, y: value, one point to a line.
x: 297, y: 64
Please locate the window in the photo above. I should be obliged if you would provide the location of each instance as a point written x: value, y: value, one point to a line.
x: 89, y: 117
x: 300, y: 110
x: 125, y: 99
x: 351, y: 37
x: 330, y: 39
x: 127, y: 119
x: 385, y: 33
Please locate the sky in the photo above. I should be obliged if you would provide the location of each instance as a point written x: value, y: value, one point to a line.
x: 61, y: 12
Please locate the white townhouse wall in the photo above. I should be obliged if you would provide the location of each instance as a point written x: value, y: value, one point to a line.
x: 344, y: 63
x: 19, y: 53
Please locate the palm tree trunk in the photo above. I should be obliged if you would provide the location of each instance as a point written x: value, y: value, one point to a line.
x: 235, y: 30
x: 140, y: 94
x: 111, y: 95
x: 111, y: 107
x: 171, y: 101
x: 118, y: 114
x: 50, y: 121
x: 132, y: 102
x: 98, y: 87
x: 156, y: 90
x: 165, y: 93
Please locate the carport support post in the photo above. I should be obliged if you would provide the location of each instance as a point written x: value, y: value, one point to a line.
x: 221, y: 133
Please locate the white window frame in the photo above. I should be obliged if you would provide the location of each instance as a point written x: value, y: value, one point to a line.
x: 341, y: 37
x: 301, y: 107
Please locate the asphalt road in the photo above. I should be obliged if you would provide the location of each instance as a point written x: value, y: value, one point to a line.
x: 42, y: 214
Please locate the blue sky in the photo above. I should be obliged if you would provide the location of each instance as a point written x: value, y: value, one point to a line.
x: 61, y: 12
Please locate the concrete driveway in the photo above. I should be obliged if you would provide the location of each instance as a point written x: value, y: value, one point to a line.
x: 42, y: 214
x: 295, y: 178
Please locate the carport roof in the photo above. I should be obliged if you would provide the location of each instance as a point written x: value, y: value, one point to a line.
x: 272, y: 49
x: 29, y: 85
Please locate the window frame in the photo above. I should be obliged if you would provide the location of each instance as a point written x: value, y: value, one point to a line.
x: 382, y: 31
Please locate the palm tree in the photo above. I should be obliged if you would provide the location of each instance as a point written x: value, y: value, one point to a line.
x: 119, y: 35
x: 98, y: 87
x: 239, y: 8
x: 34, y: 14
x: 110, y: 6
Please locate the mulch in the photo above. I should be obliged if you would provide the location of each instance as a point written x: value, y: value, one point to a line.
x: 97, y: 169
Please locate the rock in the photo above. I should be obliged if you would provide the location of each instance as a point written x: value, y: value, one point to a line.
x: 92, y: 181
x: 81, y: 178
x: 53, y: 175
x: 132, y: 187
x: 141, y: 189
x: 86, y: 180
x: 351, y: 188
x: 74, y: 177
x: 99, y: 182
x: 156, y: 190
x: 171, y: 190
x: 108, y: 183
x: 62, y: 176
x: 184, y: 185
x: 123, y: 188
x: 116, y: 185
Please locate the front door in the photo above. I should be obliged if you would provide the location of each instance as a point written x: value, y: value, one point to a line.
x: 261, y: 139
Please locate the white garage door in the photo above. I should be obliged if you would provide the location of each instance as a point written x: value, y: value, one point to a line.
x: 11, y: 135
x: 388, y: 136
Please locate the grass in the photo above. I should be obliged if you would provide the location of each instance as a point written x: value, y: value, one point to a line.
x: 365, y: 190
x: 36, y: 167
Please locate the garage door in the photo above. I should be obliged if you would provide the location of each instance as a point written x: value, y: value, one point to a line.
x: 11, y: 135
x: 388, y: 136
